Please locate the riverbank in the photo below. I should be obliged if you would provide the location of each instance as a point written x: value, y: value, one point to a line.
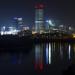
x: 16, y: 41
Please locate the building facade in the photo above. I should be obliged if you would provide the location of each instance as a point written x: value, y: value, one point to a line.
x: 18, y: 23
x: 39, y: 18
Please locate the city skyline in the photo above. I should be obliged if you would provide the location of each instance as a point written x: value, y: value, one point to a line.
x: 56, y: 10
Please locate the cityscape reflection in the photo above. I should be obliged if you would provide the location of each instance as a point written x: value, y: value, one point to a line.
x: 44, y: 55
x: 55, y: 53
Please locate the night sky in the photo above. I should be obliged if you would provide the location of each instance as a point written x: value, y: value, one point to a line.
x: 61, y: 10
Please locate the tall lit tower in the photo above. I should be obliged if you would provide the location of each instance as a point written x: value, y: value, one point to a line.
x: 39, y: 18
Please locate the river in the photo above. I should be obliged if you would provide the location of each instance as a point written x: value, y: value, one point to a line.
x: 44, y: 58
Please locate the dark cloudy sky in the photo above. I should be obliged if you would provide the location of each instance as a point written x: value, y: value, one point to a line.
x: 63, y: 10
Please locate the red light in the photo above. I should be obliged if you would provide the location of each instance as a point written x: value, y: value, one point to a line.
x: 39, y: 6
x: 41, y: 66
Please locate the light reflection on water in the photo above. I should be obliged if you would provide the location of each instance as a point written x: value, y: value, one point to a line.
x: 69, y: 51
x: 41, y: 54
x: 47, y: 56
x: 55, y: 53
x: 49, y: 53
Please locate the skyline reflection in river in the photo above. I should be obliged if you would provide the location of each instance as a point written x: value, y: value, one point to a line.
x: 45, y: 53
x: 54, y: 53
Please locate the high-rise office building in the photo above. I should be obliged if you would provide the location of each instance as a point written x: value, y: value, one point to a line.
x: 18, y: 23
x: 39, y: 18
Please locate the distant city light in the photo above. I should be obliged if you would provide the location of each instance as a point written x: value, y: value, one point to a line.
x: 16, y: 18
x: 25, y: 28
x: 73, y: 35
x: 3, y: 28
x: 14, y: 32
x: 70, y: 28
x: 34, y: 32
x: 61, y: 26
x: 2, y: 33
x: 11, y: 30
x: 50, y: 22
x: 20, y: 19
x: 38, y: 21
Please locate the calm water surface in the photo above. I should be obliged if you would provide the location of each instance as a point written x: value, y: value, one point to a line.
x: 51, y: 58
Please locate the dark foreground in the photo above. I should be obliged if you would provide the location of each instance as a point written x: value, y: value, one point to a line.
x: 27, y: 56
x: 15, y: 41
x: 29, y: 70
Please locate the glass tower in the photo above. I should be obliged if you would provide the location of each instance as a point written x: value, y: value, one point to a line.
x: 39, y: 18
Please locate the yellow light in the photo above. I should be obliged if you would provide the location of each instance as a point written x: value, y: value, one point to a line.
x: 41, y: 31
x: 73, y: 35
x: 33, y: 32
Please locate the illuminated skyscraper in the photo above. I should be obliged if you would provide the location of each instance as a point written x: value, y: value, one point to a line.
x: 39, y: 18
x: 18, y: 22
